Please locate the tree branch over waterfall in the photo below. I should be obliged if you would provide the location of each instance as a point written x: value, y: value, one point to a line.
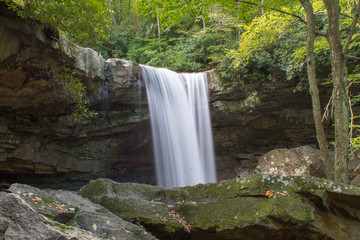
x: 273, y: 9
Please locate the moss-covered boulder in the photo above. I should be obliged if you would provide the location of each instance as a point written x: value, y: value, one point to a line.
x: 255, y: 207
x: 138, y: 203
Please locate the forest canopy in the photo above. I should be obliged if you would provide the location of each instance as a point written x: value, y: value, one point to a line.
x: 79, y: 20
x: 246, y: 41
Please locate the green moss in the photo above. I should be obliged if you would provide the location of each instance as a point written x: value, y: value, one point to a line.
x: 96, y: 188
x: 243, y: 211
x: 63, y: 228
x: 47, y: 200
x: 172, y: 227
x: 242, y: 202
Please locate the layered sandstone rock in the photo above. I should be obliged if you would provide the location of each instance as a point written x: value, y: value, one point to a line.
x: 38, y: 135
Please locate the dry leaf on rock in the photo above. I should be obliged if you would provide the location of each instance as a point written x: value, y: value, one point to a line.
x: 269, y: 193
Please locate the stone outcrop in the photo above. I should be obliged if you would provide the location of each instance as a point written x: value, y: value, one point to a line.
x: 255, y: 207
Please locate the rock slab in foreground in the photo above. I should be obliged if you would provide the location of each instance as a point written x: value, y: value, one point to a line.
x: 34, y: 214
x: 295, y: 208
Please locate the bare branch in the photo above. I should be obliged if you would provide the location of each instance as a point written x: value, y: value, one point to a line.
x: 346, y: 15
x: 274, y: 9
x: 327, y: 109
x: 349, y: 56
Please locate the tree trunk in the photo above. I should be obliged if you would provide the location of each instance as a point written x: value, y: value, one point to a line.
x: 113, y: 19
x: 203, y: 19
x: 315, y: 98
x: 341, y: 104
x: 238, y: 29
x: 159, y: 28
x: 121, y: 11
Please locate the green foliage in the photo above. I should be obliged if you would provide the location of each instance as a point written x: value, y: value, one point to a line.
x: 116, y: 46
x: 271, y: 47
x: 244, y: 44
x: 71, y: 89
x: 183, y: 47
x: 169, y: 12
x: 251, y: 101
x: 274, y: 45
x: 259, y: 34
x: 188, y: 53
x: 354, y: 80
x: 79, y: 20
x: 355, y: 139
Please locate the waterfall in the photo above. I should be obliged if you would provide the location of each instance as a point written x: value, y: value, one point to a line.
x: 181, y: 129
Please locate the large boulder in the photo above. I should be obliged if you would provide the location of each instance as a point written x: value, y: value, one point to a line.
x: 255, y: 207
x: 303, y: 160
x: 291, y: 162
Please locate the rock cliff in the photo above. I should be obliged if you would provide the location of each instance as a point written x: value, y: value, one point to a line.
x: 39, y: 137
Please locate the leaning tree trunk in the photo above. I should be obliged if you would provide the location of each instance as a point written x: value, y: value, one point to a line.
x: 341, y: 104
x: 315, y: 98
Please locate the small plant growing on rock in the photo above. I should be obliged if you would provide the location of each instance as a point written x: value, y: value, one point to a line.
x: 69, y: 88
x: 251, y: 101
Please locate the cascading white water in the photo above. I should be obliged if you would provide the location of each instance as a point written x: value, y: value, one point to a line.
x: 181, y: 128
